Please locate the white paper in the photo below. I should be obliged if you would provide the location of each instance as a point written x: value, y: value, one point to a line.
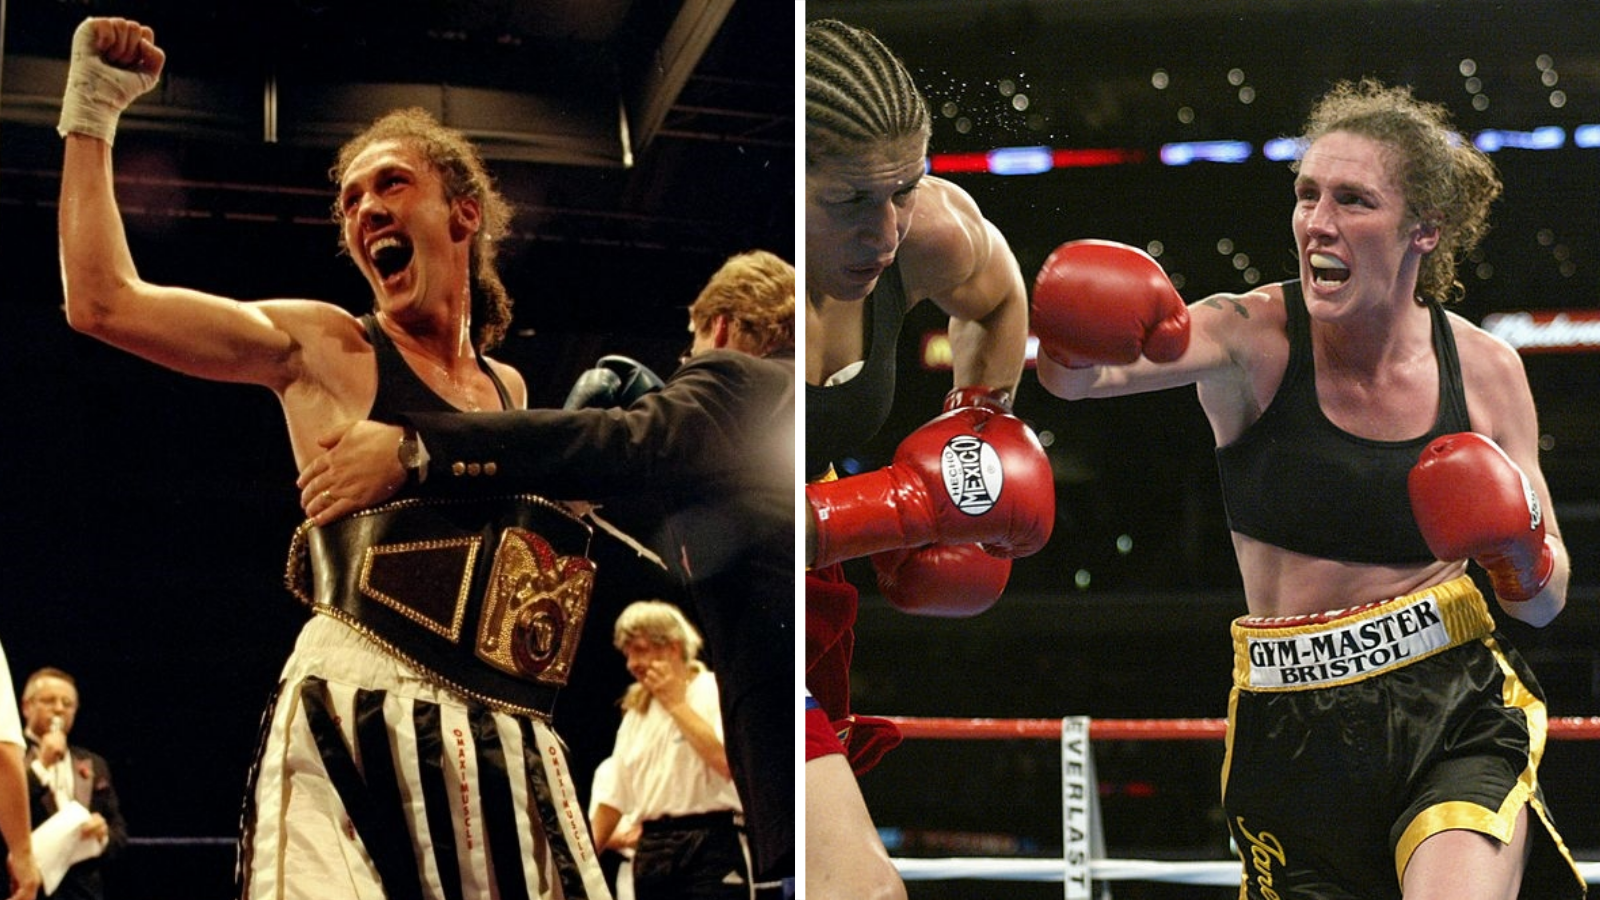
x: 58, y: 843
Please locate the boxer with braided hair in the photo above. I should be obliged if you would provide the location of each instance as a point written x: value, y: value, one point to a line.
x: 1384, y: 738
x: 882, y: 236
x: 857, y: 93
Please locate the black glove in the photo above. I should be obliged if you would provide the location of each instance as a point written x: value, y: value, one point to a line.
x: 614, y: 381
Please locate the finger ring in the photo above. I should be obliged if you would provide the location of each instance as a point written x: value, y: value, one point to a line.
x: 327, y: 497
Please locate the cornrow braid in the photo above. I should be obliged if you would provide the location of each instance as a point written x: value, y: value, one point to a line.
x: 858, y: 92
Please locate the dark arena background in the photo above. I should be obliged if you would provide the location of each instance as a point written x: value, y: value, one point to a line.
x: 1152, y: 124
x: 148, y: 515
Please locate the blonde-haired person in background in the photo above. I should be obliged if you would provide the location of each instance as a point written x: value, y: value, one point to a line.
x: 670, y: 769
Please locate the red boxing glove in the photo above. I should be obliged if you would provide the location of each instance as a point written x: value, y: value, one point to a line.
x: 1104, y: 303
x: 973, y: 475
x: 953, y: 580
x: 997, y: 399
x: 1472, y: 501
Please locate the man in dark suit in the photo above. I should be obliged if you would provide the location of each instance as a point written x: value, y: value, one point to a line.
x: 60, y: 773
x: 713, y: 447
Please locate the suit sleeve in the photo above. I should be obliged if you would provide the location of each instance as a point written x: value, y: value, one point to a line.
x: 104, y: 801
x: 697, y: 423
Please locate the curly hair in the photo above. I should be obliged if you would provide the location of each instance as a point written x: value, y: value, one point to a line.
x: 858, y: 93
x: 755, y: 292
x: 1448, y: 183
x: 461, y: 167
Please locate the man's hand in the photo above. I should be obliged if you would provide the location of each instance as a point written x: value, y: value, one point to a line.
x: 96, y: 829
x: 359, y: 467
x: 52, y: 747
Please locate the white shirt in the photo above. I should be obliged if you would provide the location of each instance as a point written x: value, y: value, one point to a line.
x: 57, y: 777
x: 658, y: 773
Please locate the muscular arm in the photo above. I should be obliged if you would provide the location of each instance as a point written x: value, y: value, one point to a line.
x: 1234, y: 340
x: 189, y: 331
x: 113, y: 61
x: 962, y: 262
x: 989, y: 345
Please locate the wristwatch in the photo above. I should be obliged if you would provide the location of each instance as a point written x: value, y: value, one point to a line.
x: 413, y: 456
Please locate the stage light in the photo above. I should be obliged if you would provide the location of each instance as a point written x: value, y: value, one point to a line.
x: 1186, y: 152
x: 1020, y: 160
x: 1548, y: 137
x: 1282, y: 149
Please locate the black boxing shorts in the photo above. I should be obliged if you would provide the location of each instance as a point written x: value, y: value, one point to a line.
x: 1355, y: 736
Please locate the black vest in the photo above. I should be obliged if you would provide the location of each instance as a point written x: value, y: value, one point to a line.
x: 842, y: 418
x: 1297, y: 481
x: 400, y: 390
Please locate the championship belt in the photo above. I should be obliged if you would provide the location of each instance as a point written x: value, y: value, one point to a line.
x: 485, y: 596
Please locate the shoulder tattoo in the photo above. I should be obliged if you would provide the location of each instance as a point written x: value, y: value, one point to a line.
x: 1235, y: 302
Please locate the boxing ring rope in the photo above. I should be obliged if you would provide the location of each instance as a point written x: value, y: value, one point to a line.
x: 1082, y: 864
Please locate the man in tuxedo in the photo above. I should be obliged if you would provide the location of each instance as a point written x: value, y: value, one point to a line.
x: 60, y: 773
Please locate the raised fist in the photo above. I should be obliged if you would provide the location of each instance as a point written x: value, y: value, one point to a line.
x: 1104, y: 303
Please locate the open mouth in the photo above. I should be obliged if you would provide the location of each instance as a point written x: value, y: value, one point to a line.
x: 390, y: 255
x: 1328, y: 270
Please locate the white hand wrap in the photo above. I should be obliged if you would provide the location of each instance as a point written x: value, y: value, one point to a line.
x: 97, y: 92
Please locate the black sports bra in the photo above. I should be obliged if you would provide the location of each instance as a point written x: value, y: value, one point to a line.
x: 1297, y: 481
x: 843, y: 417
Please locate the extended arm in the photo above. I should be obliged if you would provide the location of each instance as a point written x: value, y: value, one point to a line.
x: 712, y: 414
x: 192, y: 332
x: 1110, y: 323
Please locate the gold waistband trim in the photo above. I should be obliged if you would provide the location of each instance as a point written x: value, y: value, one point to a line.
x: 1323, y: 651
